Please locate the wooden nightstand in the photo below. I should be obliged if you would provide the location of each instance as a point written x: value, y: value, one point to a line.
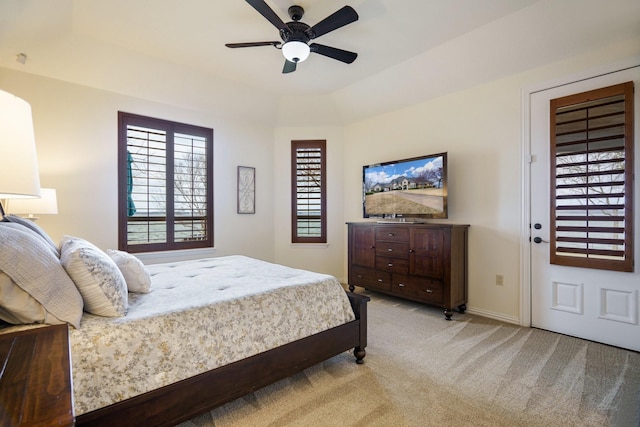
x: 35, y: 378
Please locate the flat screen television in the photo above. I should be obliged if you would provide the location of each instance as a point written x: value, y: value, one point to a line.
x: 413, y: 188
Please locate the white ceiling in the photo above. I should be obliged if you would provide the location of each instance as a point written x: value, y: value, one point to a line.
x: 408, y: 50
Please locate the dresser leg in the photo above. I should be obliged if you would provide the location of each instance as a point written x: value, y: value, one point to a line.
x: 462, y: 308
x: 359, y: 353
x: 448, y: 313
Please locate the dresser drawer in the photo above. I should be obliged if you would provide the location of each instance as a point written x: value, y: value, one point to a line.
x: 392, y: 234
x: 418, y: 288
x: 369, y: 278
x: 391, y: 249
x: 392, y: 265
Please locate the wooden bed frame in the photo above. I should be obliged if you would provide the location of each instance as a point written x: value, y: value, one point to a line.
x: 181, y: 401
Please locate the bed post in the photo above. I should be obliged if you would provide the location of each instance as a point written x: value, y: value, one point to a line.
x: 359, y: 304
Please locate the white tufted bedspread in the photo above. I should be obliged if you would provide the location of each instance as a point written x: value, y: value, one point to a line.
x: 199, y: 315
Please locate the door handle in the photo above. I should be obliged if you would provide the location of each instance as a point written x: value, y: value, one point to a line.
x: 539, y: 240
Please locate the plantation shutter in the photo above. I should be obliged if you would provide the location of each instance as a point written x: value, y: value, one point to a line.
x: 190, y: 187
x: 167, y: 185
x: 592, y: 179
x: 308, y: 191
x: 147, y: 148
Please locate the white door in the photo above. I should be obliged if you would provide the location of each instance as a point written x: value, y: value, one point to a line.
x: 598, y: 305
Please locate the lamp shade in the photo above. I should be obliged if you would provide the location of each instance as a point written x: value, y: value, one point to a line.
x: 47, y: 204
x: 295, y: 51
x: 19, y: 176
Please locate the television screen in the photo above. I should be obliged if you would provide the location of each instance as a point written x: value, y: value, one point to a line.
x: 411, y: 188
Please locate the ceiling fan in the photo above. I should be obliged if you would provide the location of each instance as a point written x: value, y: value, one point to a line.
x: 296, y: 35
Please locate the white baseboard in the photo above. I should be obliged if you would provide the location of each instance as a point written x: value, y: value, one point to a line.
x: 493, y: 315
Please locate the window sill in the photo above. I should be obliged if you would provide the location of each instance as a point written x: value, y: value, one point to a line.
x: 310, y: 245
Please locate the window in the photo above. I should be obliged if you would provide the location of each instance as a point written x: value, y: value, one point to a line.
x: 165, y: 185
x: 592, y: 179
x: 308, y: 192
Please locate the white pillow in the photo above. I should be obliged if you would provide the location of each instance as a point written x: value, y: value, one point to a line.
x: 134, y: 272
x: 96, y: 276
x: 29, y: 264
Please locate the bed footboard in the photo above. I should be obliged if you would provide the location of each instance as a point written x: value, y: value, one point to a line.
x: 184, y: 400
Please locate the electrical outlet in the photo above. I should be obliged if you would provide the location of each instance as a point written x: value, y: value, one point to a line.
x: 499, y: 279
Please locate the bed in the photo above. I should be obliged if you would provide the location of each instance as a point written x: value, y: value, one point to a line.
x: 201, y: 334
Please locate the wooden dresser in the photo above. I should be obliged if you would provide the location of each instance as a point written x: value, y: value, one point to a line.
x: 35, y: 378
x: 420, y: 262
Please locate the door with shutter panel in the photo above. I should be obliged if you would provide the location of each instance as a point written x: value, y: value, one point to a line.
x: 584, y: 207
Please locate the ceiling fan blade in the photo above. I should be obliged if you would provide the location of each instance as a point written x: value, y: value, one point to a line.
x: 338, y: 19
x: 268, y: 13
x: 289, y: 67
x: 252, y: 44
x: 333, y: 52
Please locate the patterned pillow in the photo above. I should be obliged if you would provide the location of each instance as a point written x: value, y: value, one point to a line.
x: 134, y: 272
x: 28, y: 262
x: 96, y: 276
x: 35, y: 228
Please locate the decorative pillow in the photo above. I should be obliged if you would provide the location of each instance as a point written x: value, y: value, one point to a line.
x: 31, y: 265
x: 97, y: 277
x: 134, y: 272
x: 33, y: 227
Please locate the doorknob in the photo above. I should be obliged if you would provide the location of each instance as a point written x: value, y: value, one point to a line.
x: 539, y: 240
x: 537, y: 226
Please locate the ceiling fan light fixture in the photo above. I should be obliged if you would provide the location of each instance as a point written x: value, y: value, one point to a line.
x: 295, y: 51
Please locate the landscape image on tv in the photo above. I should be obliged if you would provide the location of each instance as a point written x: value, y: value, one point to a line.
x: 412, y: 187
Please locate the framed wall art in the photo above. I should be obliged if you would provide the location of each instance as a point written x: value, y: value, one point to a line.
x: 246, y: 190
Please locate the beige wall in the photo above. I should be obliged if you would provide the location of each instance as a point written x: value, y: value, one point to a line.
x: 76, y: 138
x: 322, y: 258
x: 481, y: 130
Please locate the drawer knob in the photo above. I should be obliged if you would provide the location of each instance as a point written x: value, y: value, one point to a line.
x: 429, y: 291
x: 401, y: 285
x: 359, y: 276
x: 390, y: 264
x: 391, y: 234
x: 380, y: 280
x: 389, y: 250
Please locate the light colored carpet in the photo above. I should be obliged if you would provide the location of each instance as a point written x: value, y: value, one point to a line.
x: 421, y: 370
